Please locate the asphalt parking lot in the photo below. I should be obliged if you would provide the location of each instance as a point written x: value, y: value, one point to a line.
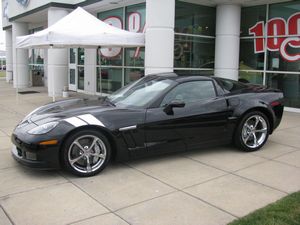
x: 210, y: 186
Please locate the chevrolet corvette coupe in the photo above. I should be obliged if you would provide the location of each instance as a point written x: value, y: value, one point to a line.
x: 156, y: 114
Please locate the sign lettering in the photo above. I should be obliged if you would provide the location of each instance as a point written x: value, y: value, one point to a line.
x: 112, y: 52
x: 277, y: 28
x: 134, y: 25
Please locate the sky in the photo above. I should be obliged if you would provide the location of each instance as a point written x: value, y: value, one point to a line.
x: 2, y: 33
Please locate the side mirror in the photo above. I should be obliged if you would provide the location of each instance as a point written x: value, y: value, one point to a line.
x: 173, y: 104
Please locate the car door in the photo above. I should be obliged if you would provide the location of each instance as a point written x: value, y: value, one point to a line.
x: 201, y: 121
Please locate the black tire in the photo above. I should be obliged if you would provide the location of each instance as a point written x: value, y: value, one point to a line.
x: 244, y: 137
x: 81, y: 155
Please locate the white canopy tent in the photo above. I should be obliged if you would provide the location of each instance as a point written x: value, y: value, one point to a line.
x: 80, y: 29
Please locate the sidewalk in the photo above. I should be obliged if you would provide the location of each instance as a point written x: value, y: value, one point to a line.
x: 212, y: 186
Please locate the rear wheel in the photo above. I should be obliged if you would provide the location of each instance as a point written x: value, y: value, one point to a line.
x: 252, y: 132
x: 86, y: 153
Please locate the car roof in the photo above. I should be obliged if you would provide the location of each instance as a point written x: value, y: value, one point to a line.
x: 182, y: 77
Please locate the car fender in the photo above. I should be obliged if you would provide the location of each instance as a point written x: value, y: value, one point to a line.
x: 118, y: 145
x: 250, y: 104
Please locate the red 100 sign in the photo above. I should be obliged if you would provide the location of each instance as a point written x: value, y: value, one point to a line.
x: 134, y: 25
x: 277, y: 28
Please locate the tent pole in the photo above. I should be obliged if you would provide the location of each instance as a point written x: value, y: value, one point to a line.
x: 53, y: 89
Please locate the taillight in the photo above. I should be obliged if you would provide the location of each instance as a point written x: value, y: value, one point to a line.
x: 275, y: 103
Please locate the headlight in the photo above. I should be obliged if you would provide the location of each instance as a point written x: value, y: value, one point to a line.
x: 43, y: 129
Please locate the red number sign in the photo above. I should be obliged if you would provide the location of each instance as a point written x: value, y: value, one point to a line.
x: 258, y: 31
x: 134, y: 25
x: 277, y: 28
x: 112, y: 52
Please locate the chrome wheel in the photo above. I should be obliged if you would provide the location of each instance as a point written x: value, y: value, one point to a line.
x: 254, y: 131
x: 87, y: 153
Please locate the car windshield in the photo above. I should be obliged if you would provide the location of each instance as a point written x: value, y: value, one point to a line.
x: 141, y: 92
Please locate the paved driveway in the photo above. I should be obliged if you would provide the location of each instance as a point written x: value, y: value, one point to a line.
x: 211, y: 186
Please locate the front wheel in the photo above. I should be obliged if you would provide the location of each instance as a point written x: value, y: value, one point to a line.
x: 252, y: 132
x: 86, y: 153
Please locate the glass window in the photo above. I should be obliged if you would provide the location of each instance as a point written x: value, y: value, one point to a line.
x: 36, y: 56
x: 135, y: 22
x: 190, y: 92
x: 194, y: 72
x: 135, y: 18
x: 109, y: 79
x: 80, y: 56
x: 98, y: 77
x: 284, y: 10
x: 194, y: 52
x: 277, y: 63
x: 37, y: 74
x: 135, y: 57
x: 133, y: 74
x: 80, y: 77
x: 249, y: 60
x: 111, y: 56
x: 72, y: 76
x: 115, y: 13
x: 72, y: 55
x: 111, y: 74
x: 289, y: 84
x: 250, y: 16
x: 36, y: 63
x: 251, y: 77
x: 194, y: 19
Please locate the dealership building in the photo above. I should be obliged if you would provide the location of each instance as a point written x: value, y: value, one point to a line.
x: 257, y: 41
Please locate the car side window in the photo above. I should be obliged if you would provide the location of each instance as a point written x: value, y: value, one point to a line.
x: 231, y: 85
x: 189, y: 92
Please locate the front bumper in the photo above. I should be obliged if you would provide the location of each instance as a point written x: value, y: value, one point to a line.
x: 28, y: 162
x: 34, y: 156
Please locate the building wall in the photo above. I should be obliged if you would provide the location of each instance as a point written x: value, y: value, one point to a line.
x: 196, y: 43
x: 15, y: 8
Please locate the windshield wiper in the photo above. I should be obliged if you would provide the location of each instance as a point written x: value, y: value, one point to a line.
x: 106, y: 100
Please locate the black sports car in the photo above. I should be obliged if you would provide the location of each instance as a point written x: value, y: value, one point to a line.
x: 156, y: 114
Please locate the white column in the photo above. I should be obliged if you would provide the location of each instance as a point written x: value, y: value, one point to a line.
x: 159, y: 49
x: 20, y: 57
x: 90, y: 80
x: 57, y: 59
x: 227, y: 41
x: 9, y: 55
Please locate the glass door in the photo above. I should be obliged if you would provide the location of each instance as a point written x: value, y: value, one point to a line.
x: 80, y: 69
x: 73, y: 69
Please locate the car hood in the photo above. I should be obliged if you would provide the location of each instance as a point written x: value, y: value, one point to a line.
x: 65, y: 109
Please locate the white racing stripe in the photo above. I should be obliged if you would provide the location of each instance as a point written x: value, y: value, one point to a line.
x: 76, y: 122
x: 90, y: 119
